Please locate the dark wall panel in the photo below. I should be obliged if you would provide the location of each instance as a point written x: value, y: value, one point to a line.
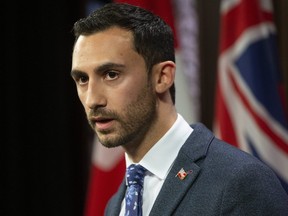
x: 44, y: 150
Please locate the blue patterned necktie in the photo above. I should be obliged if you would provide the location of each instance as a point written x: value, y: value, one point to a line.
x: 135, y: 180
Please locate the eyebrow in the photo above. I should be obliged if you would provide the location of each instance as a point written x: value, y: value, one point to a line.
x: 108, y: 66
x: 100, y: 69
x: 77, y: 73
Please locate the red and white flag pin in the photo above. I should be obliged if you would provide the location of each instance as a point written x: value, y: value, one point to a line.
x: 182, y: 173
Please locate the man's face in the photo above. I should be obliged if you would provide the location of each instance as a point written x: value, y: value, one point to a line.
x: 113, y: 86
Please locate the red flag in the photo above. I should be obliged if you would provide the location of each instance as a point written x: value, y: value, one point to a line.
x: 249, y: 108
x: 106, y: 174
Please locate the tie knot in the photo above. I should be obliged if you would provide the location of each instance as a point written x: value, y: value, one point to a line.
x: 135, y: 175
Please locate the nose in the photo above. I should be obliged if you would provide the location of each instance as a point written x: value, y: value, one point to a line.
x: 95, y: 95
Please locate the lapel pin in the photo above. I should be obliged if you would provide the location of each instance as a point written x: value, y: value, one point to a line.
x: 182, y: 174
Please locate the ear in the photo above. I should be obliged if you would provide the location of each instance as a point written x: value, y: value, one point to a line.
x: 164, y: 76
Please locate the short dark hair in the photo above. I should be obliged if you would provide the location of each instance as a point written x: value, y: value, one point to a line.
x: 153, y: 37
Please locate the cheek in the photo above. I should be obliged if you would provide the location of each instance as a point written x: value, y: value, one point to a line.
x: 131, y: 92
x: 120, y: 99
x: 132, y: 96
x: 81, y: 96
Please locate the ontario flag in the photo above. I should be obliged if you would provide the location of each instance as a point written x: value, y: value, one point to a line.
x: 108, y: 165
x: 250, y: 108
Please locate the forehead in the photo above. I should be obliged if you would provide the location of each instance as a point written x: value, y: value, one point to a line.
x: 110, y: 43
x: 112, y: 37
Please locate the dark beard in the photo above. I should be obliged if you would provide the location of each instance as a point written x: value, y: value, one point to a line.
x: 138, y: 117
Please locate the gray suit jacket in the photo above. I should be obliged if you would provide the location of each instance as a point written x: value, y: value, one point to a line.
x: 224, y: 181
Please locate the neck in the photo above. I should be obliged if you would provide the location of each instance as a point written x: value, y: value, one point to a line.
x: 165, y: 118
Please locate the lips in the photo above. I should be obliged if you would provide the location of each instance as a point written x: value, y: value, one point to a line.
x: 102, y: 123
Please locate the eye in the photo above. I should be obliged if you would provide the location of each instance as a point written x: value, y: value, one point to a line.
x: 111, y: 75
x: 81, y: 80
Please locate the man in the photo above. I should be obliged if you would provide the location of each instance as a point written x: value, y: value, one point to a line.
x: 124, y: 68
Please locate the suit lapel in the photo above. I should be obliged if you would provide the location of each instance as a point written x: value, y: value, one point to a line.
x: 115, y: 206
x: 174, y: 188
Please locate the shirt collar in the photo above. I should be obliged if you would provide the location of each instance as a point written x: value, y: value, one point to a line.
x: 159, y: 159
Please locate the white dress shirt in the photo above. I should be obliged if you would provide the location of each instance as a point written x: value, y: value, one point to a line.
x: 159, y: 160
